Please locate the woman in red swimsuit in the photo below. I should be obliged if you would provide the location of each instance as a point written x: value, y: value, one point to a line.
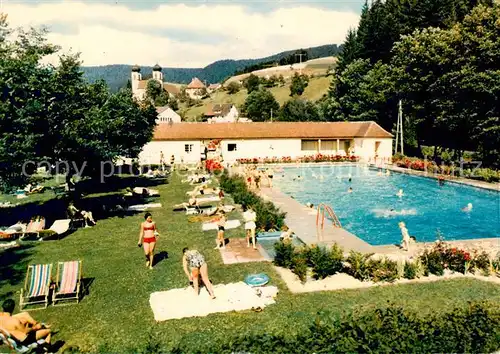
x: 148, y: 235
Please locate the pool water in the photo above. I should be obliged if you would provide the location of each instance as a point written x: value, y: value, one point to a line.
x: 373, y: 210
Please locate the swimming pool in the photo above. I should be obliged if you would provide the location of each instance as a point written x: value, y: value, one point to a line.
x: 373, y: 210
x: 268, y: 242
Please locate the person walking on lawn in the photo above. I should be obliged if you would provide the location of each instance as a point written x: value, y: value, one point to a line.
x: 148, y: 235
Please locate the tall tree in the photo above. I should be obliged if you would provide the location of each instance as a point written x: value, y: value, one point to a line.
x: 156, y: 93
x: 252, y: 83
x: 299, y: 84
x: 259, y: 105
x: 297, y: 110
x: 51, y: 114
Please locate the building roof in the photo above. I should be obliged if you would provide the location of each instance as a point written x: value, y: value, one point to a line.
x: 136, y: 68
x: 270, y: 130
x: 195, y: 84
x: 214, y: 86
x: 157, y: 67
x: 170, y: 88
x: 218, y: 110
x: 162, y: 109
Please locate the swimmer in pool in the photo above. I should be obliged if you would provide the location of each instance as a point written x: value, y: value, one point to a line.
x: 387, y: 172
x: 379, y: 173
x: 349, y: 190
x: 400, y: 193
x: 468, y: 208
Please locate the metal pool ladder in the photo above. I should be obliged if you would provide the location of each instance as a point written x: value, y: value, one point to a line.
x: 321, y: 211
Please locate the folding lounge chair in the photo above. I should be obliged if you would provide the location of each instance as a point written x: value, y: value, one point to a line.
x: 68, y: 281
x: 33, y: 229
x: 36, y: 286
x: 7, y: 339
x: 60, y: 227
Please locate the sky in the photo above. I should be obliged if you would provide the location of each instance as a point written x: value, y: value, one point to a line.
x: 188, y: 34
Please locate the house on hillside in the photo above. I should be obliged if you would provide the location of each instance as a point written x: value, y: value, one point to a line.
x: 213, y: 87
x: 187, y: 141
x: 196, y: 89
x: 222, y: 113
x: 139, y: 85
x: 167, y: 115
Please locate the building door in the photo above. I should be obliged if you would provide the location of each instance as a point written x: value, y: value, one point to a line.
x: 377, y: 146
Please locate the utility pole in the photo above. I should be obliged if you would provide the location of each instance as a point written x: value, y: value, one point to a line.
x: 300, y: 56
x: 399, y: 128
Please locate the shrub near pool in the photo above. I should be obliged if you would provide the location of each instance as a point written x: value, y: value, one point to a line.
x: 268, y: 216
x: 473, y: 329
x: 325, y: 262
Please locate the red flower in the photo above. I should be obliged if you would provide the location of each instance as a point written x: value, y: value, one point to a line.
x: 467, y: 256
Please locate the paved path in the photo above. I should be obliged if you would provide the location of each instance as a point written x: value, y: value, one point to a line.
x: 302, y: 221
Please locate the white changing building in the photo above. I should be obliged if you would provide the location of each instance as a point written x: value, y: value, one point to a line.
x: 188, y: 141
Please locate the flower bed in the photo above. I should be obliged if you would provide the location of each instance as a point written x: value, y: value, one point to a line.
x: 482, y: 174
x: 213, y: 166
x: 317, y: 262
x: 310, y: 158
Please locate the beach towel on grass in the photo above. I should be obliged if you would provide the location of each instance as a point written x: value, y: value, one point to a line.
x: 143, y: 207
x: 181, y: 303
x: 230, y: 224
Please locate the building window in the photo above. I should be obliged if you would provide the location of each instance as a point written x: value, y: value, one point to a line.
x: 188, y: 148
x: 231, y: 147
x: 309, y: 145
x: 328, y: 145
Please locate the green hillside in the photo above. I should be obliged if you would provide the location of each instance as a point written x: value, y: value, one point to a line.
x: 116, y: 75
x: 317, y: 87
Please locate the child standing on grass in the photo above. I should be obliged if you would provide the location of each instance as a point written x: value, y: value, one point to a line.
x: 221, y: 224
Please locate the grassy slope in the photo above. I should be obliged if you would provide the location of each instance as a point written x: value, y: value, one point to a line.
x: 117, y: 310
x: 317, y: 87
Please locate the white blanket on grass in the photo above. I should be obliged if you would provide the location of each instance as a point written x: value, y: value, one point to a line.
x: 143, y: 207
x: 230, y: 224
x: 181, y: 303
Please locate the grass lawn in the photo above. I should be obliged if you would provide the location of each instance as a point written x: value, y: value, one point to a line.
x: 115, y: 316
x: 317, y: 87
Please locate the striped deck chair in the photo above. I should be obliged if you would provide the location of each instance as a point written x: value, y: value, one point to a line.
x: 68, y: 281
x: 36, y: 286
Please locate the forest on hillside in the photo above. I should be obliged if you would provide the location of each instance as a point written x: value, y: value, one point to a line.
x: 116, y: 76
x: 440, y: 58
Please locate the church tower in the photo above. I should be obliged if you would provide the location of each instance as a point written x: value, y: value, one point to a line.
x: 157, y: 74
x: 135, y: 78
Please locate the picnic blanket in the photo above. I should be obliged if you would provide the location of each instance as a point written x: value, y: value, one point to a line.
x: 181, y: 303
x: 143, y: 207
x: 230, y: 224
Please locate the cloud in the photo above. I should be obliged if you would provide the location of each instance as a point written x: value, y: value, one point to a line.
x: 179, y: 35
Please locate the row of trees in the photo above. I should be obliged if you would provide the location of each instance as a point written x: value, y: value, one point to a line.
x: 50, y: 113
x: 439, y: 58
x: 261, y: 106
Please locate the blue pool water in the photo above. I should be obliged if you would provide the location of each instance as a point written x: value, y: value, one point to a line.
x: 366, y: 212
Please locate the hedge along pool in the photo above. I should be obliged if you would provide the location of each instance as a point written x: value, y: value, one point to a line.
x: 373, y: 210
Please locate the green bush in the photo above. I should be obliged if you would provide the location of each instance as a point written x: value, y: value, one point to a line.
x: 285, y: 252
x: 481, y: 263
x: 325, y: 262
x: 382, y: 270
x: 358, y: 265
x: 474, y: 329
x: 299, y: 266
x: 268, y: 215
x: 432, y: 260
x: 410, y: 270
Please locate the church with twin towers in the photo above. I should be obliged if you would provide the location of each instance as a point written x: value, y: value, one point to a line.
x: 139, y: 85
